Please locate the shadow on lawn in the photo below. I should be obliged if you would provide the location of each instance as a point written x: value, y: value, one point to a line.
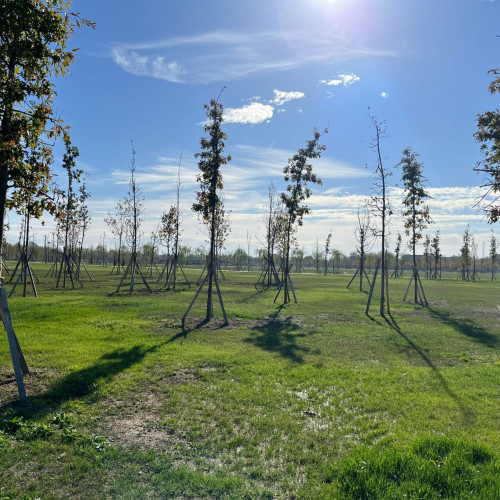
x: 84, y: 382
x: 279, y: 335
x: 467, y: 413
x: 468, y: 328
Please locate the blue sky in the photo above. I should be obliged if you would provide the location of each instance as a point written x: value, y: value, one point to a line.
x: 148, y: 68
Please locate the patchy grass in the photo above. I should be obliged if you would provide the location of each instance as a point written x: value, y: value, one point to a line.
x: 285, y: 402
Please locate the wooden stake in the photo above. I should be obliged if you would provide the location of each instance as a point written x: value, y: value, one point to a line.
x: 15, y: 349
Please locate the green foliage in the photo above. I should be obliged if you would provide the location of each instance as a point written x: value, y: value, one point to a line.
x: 33, y: 44
x: 298, y: 172
x: 416, y: 213
x: 210, y: 161
x: 433, y: 468
x: 488, y: 135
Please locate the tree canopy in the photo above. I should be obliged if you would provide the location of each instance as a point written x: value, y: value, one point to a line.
x: 33, y: 45
x: 488, y: 135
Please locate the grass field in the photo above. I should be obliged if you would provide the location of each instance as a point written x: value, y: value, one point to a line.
x: 310, y: 400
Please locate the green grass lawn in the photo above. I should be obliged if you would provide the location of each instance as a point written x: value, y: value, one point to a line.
x: 309, y: 400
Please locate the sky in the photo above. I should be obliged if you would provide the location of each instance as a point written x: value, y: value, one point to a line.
x: 286, y: 66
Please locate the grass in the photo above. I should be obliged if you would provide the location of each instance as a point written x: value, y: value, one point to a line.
x: 314, y: 400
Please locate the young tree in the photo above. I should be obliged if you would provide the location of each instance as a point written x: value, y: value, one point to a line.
x: 397, y: 272
x: 436, y: 253
x: 133, y: 210
x: 272, y: 219
x: 473, y: 246
x: 327, y: 252
x: 427, y: 256
x: 84, y: 219
x: 415, y: 211
x: 465, y: 254
x: 69, y: 217
x: 33, y: 47
x: 167, y: 233
x: 317, y: 256
x: 170, y: 233
x: 208, y: 204
x: 488, y: 135
x: 380, y: 207
x: 117, y: 225
x: 365, y: 240
x: 298, y: 173
x: 493, y: 255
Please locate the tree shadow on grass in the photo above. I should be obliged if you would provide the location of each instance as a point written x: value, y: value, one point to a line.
x: 280, y: 336
x: 467, y: 413
x: 468, y: 328
x: 83, y: 383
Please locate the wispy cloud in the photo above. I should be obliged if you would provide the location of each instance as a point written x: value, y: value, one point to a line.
x: 345, y: 80
x: 384, y: 95
x: 227, y: 55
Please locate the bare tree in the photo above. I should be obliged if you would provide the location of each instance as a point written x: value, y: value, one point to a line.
x: 117, y: 225
x: 272, y: 219
x: 365, y: 240
x: 380, y: 208
x: 133, y: 209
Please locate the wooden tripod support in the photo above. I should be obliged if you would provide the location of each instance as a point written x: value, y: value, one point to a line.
x: 18, y: 361
x: 212, y: 273
x: 420, y: 298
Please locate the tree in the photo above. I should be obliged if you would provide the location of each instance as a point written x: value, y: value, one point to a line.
x: 84, y: 219
x: 380, y: 208
x: 273, y: 223
x: 397, y: 272
x: 132, y: 216
x: 117, y: 225
x: 365, y: 240
x: 415, y: 211
x: 436, y: 253
x: 170, y: 233
x: 167, y: 233
x: 488, y: 135
x: 298, y: 172
x: 69, y: 217
x: 33, y: 47
x: 493, y: 255
x: 465, y: 255
x: 427, y: 256
x: 209, y: 205
x: 327, y: 252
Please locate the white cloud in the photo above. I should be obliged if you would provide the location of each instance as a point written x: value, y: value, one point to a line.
x: 344, y: 80
x: 384, y: 95
x: 226, y: 55
x: 280, y: 97
x: 251, y: 113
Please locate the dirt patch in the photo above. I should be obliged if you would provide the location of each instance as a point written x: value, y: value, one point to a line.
x: 37, y: 382
x: 136, y: 423
x: 441, y: 304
